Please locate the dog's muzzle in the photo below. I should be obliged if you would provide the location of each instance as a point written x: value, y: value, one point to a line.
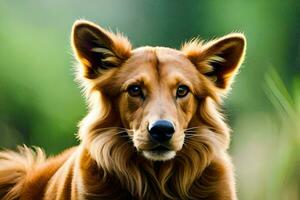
x: 161, y: 133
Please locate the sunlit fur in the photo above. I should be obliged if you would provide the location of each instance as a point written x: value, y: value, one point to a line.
x: 114, y: 159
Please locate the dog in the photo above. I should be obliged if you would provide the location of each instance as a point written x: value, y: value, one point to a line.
x: 154, y: 128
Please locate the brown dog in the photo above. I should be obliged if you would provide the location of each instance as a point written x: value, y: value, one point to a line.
x: 153, y: 131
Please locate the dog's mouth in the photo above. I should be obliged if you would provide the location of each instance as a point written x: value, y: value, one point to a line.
x: 159, y: 153
x: 160, y: 149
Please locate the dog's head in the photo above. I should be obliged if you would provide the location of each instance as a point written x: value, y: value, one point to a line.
x: 155, y: 93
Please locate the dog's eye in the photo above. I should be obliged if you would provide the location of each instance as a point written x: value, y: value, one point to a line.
x: 135, y: 91
x: 182, y: 91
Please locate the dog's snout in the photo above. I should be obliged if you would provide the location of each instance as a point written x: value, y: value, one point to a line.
x: 161, y: 131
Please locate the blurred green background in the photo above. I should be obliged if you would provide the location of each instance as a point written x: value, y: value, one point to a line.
x: 40, y: 104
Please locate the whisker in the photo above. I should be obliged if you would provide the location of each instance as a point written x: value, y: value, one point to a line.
x: 192, y: 132
x: 191, y: 128
x: 192, y: 135
x: 116, y: 132
x: 189, y: 136
x: 120, y: 132
x: 114, y: 127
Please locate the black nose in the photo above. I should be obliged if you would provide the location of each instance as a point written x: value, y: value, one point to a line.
x: 161, y: 131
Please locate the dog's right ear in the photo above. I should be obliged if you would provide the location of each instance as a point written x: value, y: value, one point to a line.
x: 98, y: 49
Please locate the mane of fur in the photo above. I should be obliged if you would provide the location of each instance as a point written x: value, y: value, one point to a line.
x: 115, y: 154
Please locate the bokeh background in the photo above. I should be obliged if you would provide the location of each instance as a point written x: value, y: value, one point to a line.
x: 41, y: 105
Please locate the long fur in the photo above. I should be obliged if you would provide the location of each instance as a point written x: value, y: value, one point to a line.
x: 106, y: 165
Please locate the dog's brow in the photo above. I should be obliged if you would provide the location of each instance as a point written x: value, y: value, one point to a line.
x: 142, y: 80
x: 176, y: 79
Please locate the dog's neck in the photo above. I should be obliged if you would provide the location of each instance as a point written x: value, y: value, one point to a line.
x: 116, y: 159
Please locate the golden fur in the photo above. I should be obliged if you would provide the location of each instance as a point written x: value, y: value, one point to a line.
x: 115, y: 158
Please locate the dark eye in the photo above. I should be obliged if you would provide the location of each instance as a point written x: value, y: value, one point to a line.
x: 135, y: 91
x: 182, y: 91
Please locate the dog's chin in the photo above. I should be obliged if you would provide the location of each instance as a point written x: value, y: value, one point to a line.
x: 159, y: 155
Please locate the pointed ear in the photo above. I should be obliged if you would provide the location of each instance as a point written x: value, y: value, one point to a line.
x: 98, y: 49
x: 219, y: 60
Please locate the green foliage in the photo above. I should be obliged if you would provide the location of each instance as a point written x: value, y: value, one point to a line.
x: 283, y: 176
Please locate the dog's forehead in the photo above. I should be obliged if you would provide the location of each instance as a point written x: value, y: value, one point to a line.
x: 160, y: 55
x: 160, y: 60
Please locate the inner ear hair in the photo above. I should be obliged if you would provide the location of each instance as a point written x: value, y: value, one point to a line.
x: 218, y: 60
x: 211, y: 67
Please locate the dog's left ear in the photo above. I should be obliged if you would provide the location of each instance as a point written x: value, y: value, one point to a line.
x: 98, y: 49
x: 218, y: 60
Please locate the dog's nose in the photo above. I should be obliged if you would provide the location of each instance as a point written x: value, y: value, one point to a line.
x: 161, y: 131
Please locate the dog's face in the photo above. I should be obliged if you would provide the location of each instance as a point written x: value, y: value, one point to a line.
x: 157, y: 99
x: 156, y: 90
